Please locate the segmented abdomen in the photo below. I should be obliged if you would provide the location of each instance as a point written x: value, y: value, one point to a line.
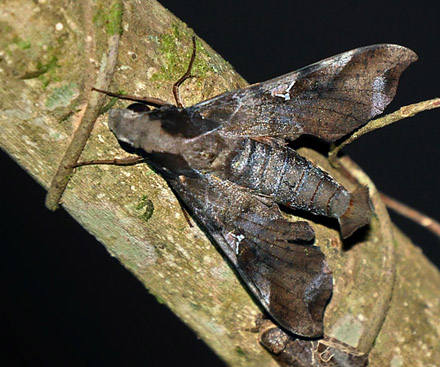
x: 288, y: 178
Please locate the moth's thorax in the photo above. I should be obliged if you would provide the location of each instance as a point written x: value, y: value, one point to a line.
x: 160, y: 130
x: 173, y: 138
x: 139, y: 131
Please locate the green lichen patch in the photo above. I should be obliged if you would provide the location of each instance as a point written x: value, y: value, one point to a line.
x: 240, y: 351
x: 22, y: 44
x: 109, y: 18
x: 160, y: 300
x: 195, y: 306
x: 37, y: 54
x: 349, y: 330
x: 175, y: 48
x: 43, y: 68
x: 147, y: 206
x: 62, y: 96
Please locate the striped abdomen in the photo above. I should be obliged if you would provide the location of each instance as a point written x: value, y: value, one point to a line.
x: 288, y: 178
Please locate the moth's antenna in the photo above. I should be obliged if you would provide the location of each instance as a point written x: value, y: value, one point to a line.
x: 185, y: 76
x: 150, y: 101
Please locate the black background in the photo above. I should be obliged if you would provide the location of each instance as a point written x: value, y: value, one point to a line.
x: 69, y: 303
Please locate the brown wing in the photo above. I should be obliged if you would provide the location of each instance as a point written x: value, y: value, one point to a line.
x: 328, y: 99
x: 291, y: 280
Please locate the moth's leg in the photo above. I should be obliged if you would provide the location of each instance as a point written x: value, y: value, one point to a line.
x: 127, y: 161
x: 150, y: 101
x: 185, y: 76
x: 326, y: 356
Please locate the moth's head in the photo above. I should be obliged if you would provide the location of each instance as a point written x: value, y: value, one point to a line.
x: 163, y: 130
x: 122, y: 123
x: 137, y: 126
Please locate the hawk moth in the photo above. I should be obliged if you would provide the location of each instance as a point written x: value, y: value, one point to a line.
x: 228, y: 161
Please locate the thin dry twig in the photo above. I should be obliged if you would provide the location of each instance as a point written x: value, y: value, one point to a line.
x: 126, y: 161
x: 402, y: 113
x: 82, y: 133
x: 410, y: 213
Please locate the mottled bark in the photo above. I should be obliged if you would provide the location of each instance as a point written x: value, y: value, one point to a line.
x: 386, y: 292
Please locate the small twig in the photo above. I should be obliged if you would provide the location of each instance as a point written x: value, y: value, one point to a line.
x: 126, y: 161
x: 410, y: 213
x: 402, y: 113
x: 82, y: 133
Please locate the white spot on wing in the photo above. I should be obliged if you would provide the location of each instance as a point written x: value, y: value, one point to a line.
x: 345, y: 59
x: 379, y: 98
x: 379, y: 84
x: 285, y: 94
x: 338, y: 61
x: 234, y: 241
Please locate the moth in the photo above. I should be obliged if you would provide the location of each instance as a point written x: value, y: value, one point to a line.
x: 228, y: 160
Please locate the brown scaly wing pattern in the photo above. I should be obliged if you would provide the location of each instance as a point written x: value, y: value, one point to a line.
x: 328, y: 99
x: 291, y: 280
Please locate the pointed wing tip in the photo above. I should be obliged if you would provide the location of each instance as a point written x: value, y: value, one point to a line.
x: 407, y: 56
x: 411, y: 55
x: 405, y: 53
x: 400, y: 47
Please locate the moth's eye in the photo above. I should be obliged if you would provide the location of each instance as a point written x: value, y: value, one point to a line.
x: 138, y: 107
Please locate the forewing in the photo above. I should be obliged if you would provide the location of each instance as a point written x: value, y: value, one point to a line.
x: 291, y: 280
x: 328, y: 99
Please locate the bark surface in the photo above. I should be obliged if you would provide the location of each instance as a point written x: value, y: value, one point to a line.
x: 386, y: 292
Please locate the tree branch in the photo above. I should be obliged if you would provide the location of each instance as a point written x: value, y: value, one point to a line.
x: 43, y: 84
x: 402, y: 113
